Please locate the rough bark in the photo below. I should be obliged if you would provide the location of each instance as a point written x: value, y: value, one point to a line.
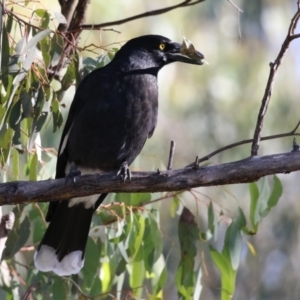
x: 242, y: 171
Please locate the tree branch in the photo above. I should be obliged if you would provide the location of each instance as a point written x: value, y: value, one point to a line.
x: 151, y: 13
x: 246, y: 170
x: 75, y: 18
x: 273, y: 70
x: 233, y: 145
x: 67, y: 9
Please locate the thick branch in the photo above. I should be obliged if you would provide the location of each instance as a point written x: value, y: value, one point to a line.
x: 246, y: 170
x: 67, y: 9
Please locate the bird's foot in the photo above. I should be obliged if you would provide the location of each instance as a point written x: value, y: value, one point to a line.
x: 73, y: 173
x: 124, y: 172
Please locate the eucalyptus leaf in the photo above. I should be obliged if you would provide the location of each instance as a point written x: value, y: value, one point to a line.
x: 34, y: 40
x: 17, y: 238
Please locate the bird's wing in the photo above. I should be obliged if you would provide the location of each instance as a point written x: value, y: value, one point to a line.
x: 62, y: 158
x: 77, y: 105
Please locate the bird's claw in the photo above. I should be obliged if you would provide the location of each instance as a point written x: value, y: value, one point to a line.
x: 73, y: 173
x: 124, y: 172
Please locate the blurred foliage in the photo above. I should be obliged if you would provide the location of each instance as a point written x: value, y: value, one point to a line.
x: 197, y: 244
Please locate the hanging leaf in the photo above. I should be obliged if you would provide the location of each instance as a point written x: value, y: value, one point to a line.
x: 34, y: 40
x: 4, y: 56
x: 228, y: 260
x: 276, y: 192
x: 33, y: 171
x: 59, y: 289
x: 188, y: 236
x: 17, y: 238
x: 15, y: 163
x: 91, y: 264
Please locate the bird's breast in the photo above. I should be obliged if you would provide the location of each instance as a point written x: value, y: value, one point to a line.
x: 115, y: 122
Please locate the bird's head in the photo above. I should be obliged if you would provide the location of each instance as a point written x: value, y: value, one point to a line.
x: 157, y: 51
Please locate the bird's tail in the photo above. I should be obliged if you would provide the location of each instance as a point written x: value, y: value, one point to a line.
x: 62, y: 247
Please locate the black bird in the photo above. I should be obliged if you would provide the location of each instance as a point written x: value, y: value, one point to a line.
x: 113, y: 113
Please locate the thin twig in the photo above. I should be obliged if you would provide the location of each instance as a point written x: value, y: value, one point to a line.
x: 29, y: 291
x: 235, y: 6
x: 239, y: 11
x: 265, y: 138
x: 185, y: 3
x: 171, y: 155
x: 273, y: 70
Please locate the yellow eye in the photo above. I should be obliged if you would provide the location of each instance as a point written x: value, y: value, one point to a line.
x: 162, y: 46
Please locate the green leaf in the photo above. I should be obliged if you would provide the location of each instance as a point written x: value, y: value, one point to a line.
x: 15, y: 115
x: 17, y: 238
x: 4, y: 56
x: 5, y: 137
x: 44, y: 45
x: 228, y: 274
x: 188, y: 236
x: 174, y: 206
x: 254, y: 194
x: 136, y: 278
x: 45, y: 20
x: 69, y: 77
x: 59, y: 290
x: 123, y: 198
x: 41, y: 111
x: 137, y: 199
x: 91, y: 263
x: 5, y: 142
x: 233, y: 239
x: 56, y: 48
x: 136, y: 235
x: 26, y: 104
x: 185, y: 280
x: 153, y: 242
x: 33, y: 172
x: 34, y: 40
x: 228, y: 261
x: 212, y: 221
x: 57, y: 116
x: 96, y: 288
x: 40, y: 12
x: 187, y: 233
x: 276, y: 192
x: 9, y: 21
x: 15, y: 164
x: 38, y: 230
x: 153, y: 297
x: 161, y: 281
x: 262, y: 201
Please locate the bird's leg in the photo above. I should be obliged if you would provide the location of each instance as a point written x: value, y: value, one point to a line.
x: 124, y: 171
x: 73, y: 173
